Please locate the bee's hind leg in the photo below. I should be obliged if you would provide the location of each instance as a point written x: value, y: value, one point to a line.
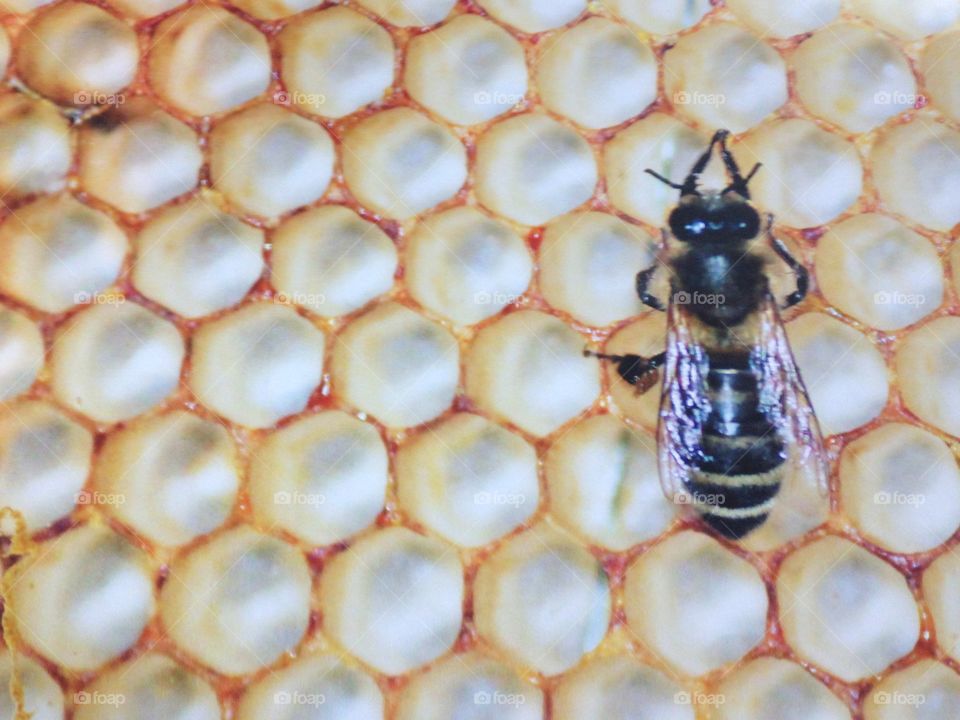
x: 637, y: 370
x: 799, y: 271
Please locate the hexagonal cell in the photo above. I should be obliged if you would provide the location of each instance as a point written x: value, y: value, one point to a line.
x: 21, y: 352
x: 939, y: 55
x: 466, y: 266
x: 604, y: 484
x: 148, y: 683
x: 914, y: 167
x: 59, y: 252
x: 468, y: 479
x: 616, y: 687
x: 928, y: 370
x: 335, y: 61
x: 925, y: 690
x: 467, y: 71
x: 941, y: 591
x: 238, y: 602
x: 845, y: 610
x: 470, y: 685
x: 399, y: 163
x: 845, y: 395
x: 171, y: 477
x: 589, y: 264
x: 35, y: 149
x: 331, y: 261
x: 396, y: 365
x: 83, y: 598
x: 853, y: 76
x: 136, y: 157
x: 660, y: 18
x: 257, y: 364
x: 410, y: 13
x: 531, y: 168
x: 646, y: 336
x: 597, y: 74
x: 112, y: 362
x: 44, y: 461
x: 138, y: 8
x: 773, y: 688
x: 275, y: 9
x: 534, y: 16
x: 268, y: 161
x: 543, y: 600
x: 196, y: 259
x: 206, y: 60
x: 101, y: 50
x: 659, y: 142
x: 909, y: 21
x: 782, y: 18
x: 695, y: 603
x: 394, y: 599
x: 322, y: 478
x: 528, y: 368
x: 330, y: 688
x: 42, y: 696
x: 880, y: 272
x: 722, y: 76
x: 809, y: 176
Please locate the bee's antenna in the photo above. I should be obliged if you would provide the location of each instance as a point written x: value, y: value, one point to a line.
x: 739, y: 184
x: 689, y: 186
x: 665, y: 180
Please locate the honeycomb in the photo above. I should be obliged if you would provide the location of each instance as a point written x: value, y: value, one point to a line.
x: 295, y: 417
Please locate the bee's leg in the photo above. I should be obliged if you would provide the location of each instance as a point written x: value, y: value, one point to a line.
x: 637, y: 370
x: 643, y: 282
x: 799, y: 271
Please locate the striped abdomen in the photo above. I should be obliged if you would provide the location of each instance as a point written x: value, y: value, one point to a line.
x: 739, y: 474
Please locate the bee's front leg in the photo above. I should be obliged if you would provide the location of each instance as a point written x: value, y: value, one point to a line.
x: 643, y: 283
x: 637, y: 370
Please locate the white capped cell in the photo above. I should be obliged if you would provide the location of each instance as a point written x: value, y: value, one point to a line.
x: 467, y: 71
x: 645, y: 336
x: 842, y: 369
x: 660, y: 18
x: 394, y: 599
x: 695, y: 603
x: 335, y: 61
x: 43, y: 698
x: 470, y: 686
x: 879, y: 271
x: 723, y: 76
x: 238, y: 602
x: 195, y: 259
x: 927, y: 365
x: 941, y: 592
x: 853, y: 76
x: 257, y: 364
x: 809, y: 176
x: 331, y: 688
x: 783, y: 18
x: 597, y: 73
x: 908, y: 21
x: 604, y: 485
x: 940, y: 55
x: 136, y: 157
x: 399, y: 163
x: 21, y: 352
x: 589, y: 264
x: 410, y: 13
x: 331, y: 261
x: 205, y: 60
x: 845, y: 610
x: 44, y: 461
x: 925, y: 690
x: 468, y: 479
x: 466, y: 266
x: 158, y: 687
x: 396, y: 365
x: 617, y: 687
x: 171, y: 477
x: 915, y: 166
x: 773, y: 688
x: 35, y: 149
x: 534, y: 16
x: 134, y: 8
x: 322, y: 478
x: 543, y: 599
x: 83, y: 598
x: 531, y: 168
x: 59, y: 252
x: 267, y: 161
x: 275, y: 9
x: 112, y: 362
x: 77, y: 53
x: 659, y: 142
x: 528, y: 369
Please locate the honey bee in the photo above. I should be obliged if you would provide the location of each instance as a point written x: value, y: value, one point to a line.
x: 735, y: 417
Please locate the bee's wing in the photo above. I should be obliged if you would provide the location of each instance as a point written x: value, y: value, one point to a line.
x: 683, y: 404
x: 784, y: 399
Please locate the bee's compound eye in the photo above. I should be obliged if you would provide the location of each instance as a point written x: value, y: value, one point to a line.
x: 743, y: 221
x: 689, y: 222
